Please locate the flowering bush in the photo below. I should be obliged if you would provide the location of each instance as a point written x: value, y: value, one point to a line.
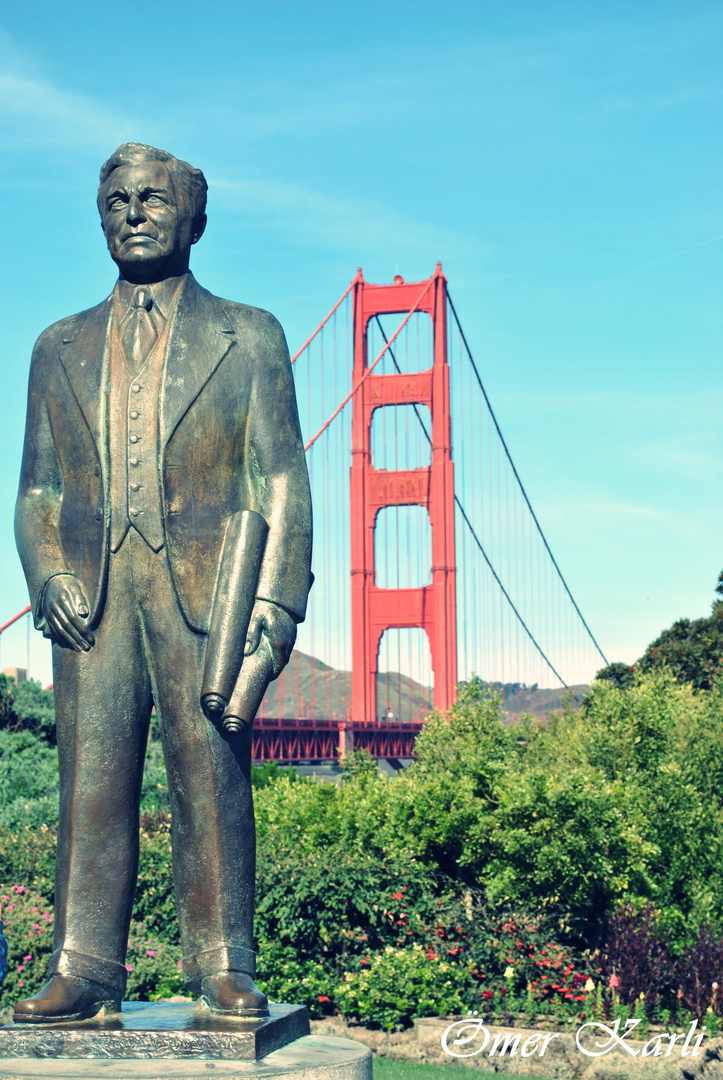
x: 153, y: 965
x: 400, y: 984
x: 550, y: 973
x: 28, y: 922
x: 286, y: 975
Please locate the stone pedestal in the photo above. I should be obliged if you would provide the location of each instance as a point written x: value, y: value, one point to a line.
x: 157, y: 1041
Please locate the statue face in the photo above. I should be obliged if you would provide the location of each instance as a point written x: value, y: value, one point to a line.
x: 149, y: 230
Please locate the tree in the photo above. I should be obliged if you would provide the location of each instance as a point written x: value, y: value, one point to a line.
x: 618, y: 673
x: 691, y: 649
x: 27, y: 707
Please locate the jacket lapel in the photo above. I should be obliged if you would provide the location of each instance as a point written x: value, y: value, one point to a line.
x: 84, y: 355
x: 200, y: 337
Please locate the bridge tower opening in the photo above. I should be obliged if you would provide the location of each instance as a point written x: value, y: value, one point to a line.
x: 430, y: 607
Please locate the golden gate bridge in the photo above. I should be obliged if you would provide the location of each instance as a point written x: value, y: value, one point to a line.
x: 431, y: 565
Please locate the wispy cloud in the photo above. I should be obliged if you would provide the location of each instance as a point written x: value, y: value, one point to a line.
x: 360, y: 224
x: 35, y: 110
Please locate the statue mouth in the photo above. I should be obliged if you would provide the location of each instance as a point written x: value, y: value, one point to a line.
x: 137, y: 236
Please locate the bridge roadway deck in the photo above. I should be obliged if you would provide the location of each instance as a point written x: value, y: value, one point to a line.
x: 291, y: 741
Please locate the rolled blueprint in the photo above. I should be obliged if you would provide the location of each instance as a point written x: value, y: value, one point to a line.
x: 233, y: 602
x: 255, y: 675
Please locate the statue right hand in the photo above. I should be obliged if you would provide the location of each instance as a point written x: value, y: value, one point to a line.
x: 66, y: 612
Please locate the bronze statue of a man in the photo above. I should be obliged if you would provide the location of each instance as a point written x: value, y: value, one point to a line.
x: 153, y: 419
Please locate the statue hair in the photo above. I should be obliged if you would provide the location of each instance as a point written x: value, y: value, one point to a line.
x: 190, y: 182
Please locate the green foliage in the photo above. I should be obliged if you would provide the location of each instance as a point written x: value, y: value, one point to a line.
x: 28, y: 781
x: 28, y: 924
x: 617, y: 803
x: 692, y: 650
x: 618, y: 673
x: 270, y: 772
x: 400, y: 984
x: 27, y: 708
x: 153, y: 963
x: 28, y: 856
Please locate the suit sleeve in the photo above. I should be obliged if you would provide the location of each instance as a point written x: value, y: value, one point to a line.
x: 278, y: 480
x: 41, y: 491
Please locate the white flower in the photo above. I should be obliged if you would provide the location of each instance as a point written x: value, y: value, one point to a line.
x: 589, y: 986
x: 509, y: 972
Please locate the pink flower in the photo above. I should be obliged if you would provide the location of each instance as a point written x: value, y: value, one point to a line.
x: 179, y: 963
x: 151, y: 952
x: 21, y: 967
x: 128, y: 967
x: 28, y: 957
x: 613, y: 982
x: 34, y: 909
x: 21, y: 984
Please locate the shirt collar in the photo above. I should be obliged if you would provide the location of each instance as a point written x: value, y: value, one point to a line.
x: 163, y: 292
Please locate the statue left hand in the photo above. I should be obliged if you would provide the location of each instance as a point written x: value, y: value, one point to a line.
x: 278, y: 628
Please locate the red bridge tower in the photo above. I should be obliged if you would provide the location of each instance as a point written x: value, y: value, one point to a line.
x: 431, y: 607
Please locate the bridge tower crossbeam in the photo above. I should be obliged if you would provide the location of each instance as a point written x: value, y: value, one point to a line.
x: 431, y: 607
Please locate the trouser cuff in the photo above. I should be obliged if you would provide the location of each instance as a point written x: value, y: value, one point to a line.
x: 110, y: 975
x: 214, y: 961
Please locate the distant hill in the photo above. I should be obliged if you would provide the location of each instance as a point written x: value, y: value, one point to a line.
x: 308, y: 687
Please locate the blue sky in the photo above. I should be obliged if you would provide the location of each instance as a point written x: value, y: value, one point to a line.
x: 563, y: 160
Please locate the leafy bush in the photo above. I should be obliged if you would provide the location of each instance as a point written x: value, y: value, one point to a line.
x: 28, y: 781
x: 601, y: 829
x: 401, y: 984
x: 153, y: 964
x: 699, y: 974
x: 27, y: 707
x: 691, y: 650
x: 28, y: 924
x: 636, y: 956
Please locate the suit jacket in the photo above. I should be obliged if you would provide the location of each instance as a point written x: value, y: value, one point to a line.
x: 229, y: 440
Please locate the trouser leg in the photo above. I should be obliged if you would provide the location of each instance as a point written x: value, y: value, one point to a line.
x: 103, y: 706
x: 209, y: 778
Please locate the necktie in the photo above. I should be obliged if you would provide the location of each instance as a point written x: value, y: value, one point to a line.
x: 138, y: 332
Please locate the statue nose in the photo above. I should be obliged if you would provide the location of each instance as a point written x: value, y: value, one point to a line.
x: 135, y: 211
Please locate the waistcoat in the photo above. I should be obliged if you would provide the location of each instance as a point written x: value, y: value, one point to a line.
x: 135, y: 483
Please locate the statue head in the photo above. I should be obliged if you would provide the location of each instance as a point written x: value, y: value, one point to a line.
x: 152, y: 210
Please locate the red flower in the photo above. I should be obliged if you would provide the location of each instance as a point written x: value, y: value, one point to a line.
x: 323, y: 997
x: 398, y: 896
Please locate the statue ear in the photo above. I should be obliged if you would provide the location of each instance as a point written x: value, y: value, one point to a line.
x: 200, y: 228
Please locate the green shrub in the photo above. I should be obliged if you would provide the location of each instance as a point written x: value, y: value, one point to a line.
x: 28, y: 924
x: 153, y: 965
x: 399, y: 985
x: 286, y: 974
x: 28, y: 781
x: 27, y: 708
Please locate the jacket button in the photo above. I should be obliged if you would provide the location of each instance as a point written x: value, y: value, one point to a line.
x: 99, y: 515
x: 134, y: 512
x: 135, y: 388
x: 134, y: 415
x: 135, y: 487
x: 96, y: 470
x: 134, y: 438
x: 134, y: 461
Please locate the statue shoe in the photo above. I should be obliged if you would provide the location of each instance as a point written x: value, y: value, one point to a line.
x: 65, y: 999
x: 233, y: 993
